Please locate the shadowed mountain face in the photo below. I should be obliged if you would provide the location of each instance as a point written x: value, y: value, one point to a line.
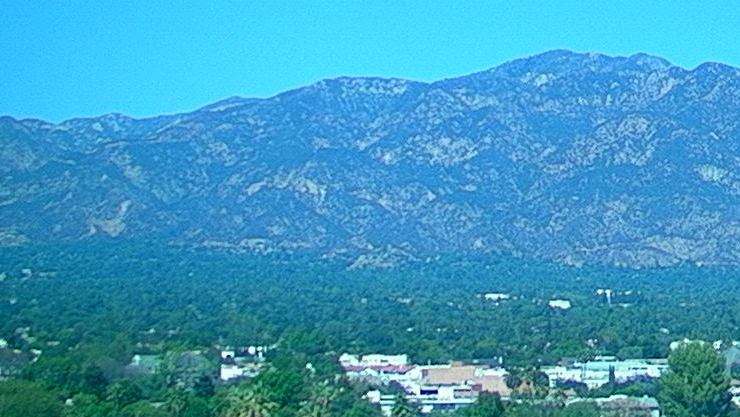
x: 580, y: 158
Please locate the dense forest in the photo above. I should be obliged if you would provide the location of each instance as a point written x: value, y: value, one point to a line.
x: 434, y: 311
x: 88, y: 308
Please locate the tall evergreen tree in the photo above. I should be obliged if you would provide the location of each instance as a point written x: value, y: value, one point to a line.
x: 696, y: 384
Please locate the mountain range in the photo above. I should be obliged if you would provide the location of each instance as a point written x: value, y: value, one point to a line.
x: 579, y: 158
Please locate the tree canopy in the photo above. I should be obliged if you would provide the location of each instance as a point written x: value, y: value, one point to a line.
x: 27, y: 399
x: 697, y: 384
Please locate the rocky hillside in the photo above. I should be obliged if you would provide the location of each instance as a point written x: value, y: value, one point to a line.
x: 580, y: 158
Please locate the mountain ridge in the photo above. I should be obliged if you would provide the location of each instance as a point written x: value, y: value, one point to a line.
x: 573, y: 157
x: 637, y: 55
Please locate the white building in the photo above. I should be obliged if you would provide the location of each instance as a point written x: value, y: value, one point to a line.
x: 596, y: 373
x: 559, y: 304
x: 382, y: 360
x: 496, y: 296
x: 235, y: 372
x: 440, y: 387
x: 346, y: 359
x: 735, y: 393
x: 229, y: 372
x: 430, y: 399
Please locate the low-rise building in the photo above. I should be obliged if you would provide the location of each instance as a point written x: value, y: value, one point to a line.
x: 431, y: 399
x: 480, y: 378
x: 559, y: 304
x: 237, y: 372
x: 735, y: 392
x: 732, y: 358
x: 142, y: 364
x: 602, y: 370
x: 431, y: 387
x: 371, y: 360
x: 347, y: 359
x: 377, y: 369
x: 380, y: 374
x: 240, y: 363
x: 496, y: 296
x: 381, y: 360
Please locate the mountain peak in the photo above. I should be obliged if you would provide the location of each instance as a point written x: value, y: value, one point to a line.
x: 649, y: 61
x: 567, y: 61
x: 228, y: 103
x: 7, y: 120
x: 715, y: 68
x: 365, y: 85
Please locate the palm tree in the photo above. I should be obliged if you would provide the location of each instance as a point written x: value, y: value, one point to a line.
x: 249, y: 402
x: 311, y: 409
x: 176, y: 402
x: 320, y: 402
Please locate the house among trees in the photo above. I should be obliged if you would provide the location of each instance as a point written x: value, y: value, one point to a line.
x: 144, y: 365
x: 240, y: 363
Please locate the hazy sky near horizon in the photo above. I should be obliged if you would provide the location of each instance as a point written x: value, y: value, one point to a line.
x: 64, y: 59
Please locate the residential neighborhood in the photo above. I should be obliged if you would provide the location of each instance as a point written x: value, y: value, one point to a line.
x: 454, y: 385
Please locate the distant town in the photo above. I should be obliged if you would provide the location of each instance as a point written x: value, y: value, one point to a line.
x: 434, y: 387
x: 458, y: 384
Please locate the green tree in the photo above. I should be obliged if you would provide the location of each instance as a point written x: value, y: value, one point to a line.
x: 320, y: 401
x: 141, y: 409
x: 696, y: 384
x: 88, y: 405
x: 182, y: 404
x: 540, y: 383
x: 249, y: 402
x: 513, y: 381
x: 203, y: 386
x: 124, y: 392
x: 581, y: 409
x: 402, y: 408
x: 176, y: 402
x: 197, y: 407
x: 362, y: 409
x: 92, y: 380
x: 283, y: 383
x: 487, y: 405
x: 186, y: 369
x: 27, y: 399
x: 527, y: 410
x: 312, y: 409
x: 60, y: 372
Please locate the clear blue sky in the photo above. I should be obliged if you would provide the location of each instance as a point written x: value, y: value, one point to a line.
x: 62, y: 59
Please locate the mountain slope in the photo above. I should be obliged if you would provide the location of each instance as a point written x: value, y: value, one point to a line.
x: 564, y: 156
